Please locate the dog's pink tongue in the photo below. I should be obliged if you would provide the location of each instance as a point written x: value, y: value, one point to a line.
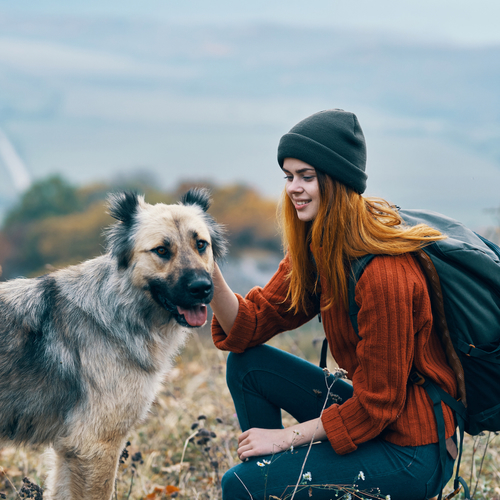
x: 195, y: 316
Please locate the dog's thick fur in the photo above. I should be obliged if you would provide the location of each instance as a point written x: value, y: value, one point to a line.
x: 83, y: 350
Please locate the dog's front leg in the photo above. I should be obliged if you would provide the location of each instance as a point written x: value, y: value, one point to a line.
x: 77, y: 476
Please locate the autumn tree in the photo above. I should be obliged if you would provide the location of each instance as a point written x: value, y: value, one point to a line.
x: 48, y: 197
x: 249, y: 218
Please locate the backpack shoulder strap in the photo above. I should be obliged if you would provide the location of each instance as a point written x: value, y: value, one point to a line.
x: 357, y: 268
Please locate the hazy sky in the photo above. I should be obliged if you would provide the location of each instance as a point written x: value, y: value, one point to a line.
x: 462, y: 21
x: 90, y: 91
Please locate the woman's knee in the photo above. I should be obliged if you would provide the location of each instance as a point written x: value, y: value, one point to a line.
x: 240, y: 364
x: 233, y: 370
x: 233, y: 485
x: 228, y: 484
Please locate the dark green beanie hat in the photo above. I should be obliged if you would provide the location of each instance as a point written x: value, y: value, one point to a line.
x: 331, y: 141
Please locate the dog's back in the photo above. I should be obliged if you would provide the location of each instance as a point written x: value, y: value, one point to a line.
x: 36, y: 390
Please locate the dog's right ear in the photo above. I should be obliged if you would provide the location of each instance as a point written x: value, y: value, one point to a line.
x: 201, y: 198
x: 197, y: 196
x: 123, y: 207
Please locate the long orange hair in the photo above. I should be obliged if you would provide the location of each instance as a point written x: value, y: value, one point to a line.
x: 347, y: 226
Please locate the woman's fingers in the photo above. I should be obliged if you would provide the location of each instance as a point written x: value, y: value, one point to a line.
x: 256, y: 442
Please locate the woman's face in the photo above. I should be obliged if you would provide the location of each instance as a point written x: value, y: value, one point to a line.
x: 302, y: 188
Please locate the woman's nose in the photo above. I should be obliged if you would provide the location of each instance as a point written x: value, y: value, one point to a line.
x: 294, y: 186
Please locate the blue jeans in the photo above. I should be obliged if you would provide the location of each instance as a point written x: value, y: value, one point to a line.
x: 263, y: 380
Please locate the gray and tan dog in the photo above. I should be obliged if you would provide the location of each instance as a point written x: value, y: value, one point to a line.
x: 83, y: 350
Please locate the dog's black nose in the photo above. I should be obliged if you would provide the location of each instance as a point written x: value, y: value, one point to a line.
x: 200, y: 288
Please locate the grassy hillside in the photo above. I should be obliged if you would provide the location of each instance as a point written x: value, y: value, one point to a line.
x: 189, y: 439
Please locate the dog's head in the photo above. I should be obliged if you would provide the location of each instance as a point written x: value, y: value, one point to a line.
x: 169, y: 250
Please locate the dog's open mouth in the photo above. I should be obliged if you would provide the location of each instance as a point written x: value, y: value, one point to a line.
x: 194, y: 316
x: 188, y: 314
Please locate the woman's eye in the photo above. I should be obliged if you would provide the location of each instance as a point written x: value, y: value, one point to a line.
x: 288, y: 177
x: 201, y: 245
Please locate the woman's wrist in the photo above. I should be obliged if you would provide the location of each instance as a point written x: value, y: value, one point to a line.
x: 224, y: 304
x: 305, y: 432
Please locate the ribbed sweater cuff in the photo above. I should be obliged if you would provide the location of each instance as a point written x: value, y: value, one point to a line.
x: 237, y: 340
x: 336, y: 431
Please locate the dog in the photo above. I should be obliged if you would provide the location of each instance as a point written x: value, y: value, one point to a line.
x: 84, y: 350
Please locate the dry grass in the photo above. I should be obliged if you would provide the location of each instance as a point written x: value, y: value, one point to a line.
x: 189, y: 439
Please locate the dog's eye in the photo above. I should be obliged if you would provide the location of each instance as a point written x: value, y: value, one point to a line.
x: 161, y: 251
x: 201, y: 245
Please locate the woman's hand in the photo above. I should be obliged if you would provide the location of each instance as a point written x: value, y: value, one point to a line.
x: 255, y: 442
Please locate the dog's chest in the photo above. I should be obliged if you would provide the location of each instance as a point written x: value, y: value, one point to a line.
x: 128, y: 384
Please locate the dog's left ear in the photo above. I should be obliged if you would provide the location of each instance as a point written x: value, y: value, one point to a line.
x: 197, y: 196
x: 201, y: 197
x: 123, y: 207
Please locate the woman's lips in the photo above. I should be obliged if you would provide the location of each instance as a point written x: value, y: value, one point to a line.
x: 302, y: 205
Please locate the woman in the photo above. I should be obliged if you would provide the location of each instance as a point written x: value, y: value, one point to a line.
x: 380, y: 432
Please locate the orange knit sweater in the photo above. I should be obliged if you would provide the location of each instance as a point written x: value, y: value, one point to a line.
x: 396, y: 330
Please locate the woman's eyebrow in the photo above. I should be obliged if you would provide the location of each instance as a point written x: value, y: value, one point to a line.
x: 301, y: 170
